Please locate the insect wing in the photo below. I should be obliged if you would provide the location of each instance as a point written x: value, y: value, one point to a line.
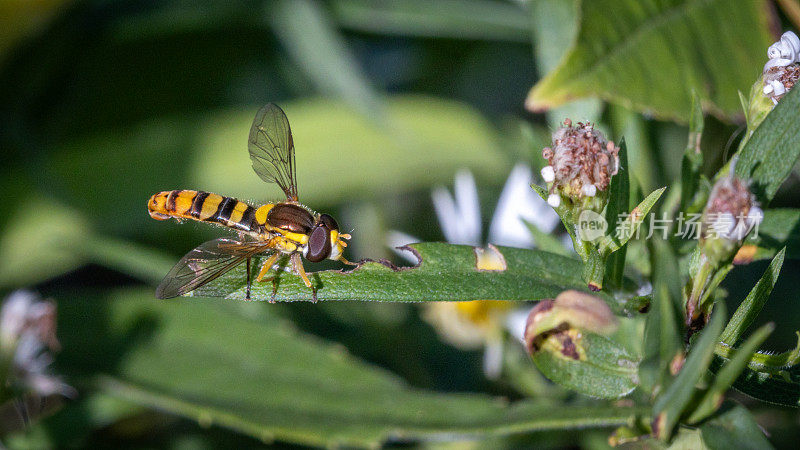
x: 204, y: 264
x: 272, y: 149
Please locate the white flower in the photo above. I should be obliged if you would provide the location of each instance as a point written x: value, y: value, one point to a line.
x: 784, y: 52
x: 782, y: 70
x: 479, y: 323
x: 27, y: 336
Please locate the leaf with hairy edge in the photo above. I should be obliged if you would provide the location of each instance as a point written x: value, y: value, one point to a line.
x: 728, y: 374
x: 769, y: 155
x: 671, y: 403
x: 651, y: 55
x: 241, y: 367
x: 445, y: 272
x: 751, y: 306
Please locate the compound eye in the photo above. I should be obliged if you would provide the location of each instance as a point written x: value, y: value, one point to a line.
x: 329, y: 222
x: 319, y: 244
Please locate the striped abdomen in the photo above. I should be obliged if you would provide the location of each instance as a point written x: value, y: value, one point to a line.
x: 205, y: 207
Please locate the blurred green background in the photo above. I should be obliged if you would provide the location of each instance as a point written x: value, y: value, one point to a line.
x: 105, y: 102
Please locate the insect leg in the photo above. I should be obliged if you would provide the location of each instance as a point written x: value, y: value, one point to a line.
x: 248, y: 280
x: 266, y: 266
x: 297, y: 266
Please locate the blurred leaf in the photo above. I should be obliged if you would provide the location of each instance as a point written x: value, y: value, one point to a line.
x: 547, y: 242
x: 309, y: 36
x: 22, y: 18
x: 340, y: 153
x: 735, y: 428
x: 779, y: 229
x: 599, y: 366
x: 447, y: 273
x: 651, y: 55
x: 458, y: 19
x: 148, y: 265
x: 555, y: 26
x: 39, y: 241
x: 751, y: 306
x: 769, y: 155
x: 672, y: 402
x: 264, y: 379
x: 725, y: 377
x: 641, y: 166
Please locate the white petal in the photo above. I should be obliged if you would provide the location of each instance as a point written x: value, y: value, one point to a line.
x: 466, y: 193
x: 493, y: 358
x: 519, y: 203
x: 446, y: 211
x: 548, y: 174
x: 589, y: 190
x: 515, y: 323
x: 554, y: 200
x: 755, y: 216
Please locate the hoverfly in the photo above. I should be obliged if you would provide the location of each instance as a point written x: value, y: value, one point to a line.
x: 283, y: 228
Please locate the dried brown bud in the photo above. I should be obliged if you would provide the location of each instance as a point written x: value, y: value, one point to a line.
x: 731, y: 211
x: 779, y: 80
x: 570, y: 310
x: 581, y: 161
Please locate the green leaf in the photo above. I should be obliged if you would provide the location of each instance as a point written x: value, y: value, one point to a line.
x: 555, y: 26
x: 598, y: 366
x: 692, y: 162
x: 734, y: 428
x: 39, y: 241
x: 462, y: 19
x: 626, y: 229
x: 319, y: 49
x: 446, y: 273
x: 546, y: 241
x: 619, y: 202
x: 751, y: 306
x: 672, y: 402
x: 664, y: 323
x: 651, y: 55
x: 769, y: 155
x: 727, y: 375
x: 341, y: 154
x: 779, y: 229
x: 642, y: 169
x: 254, y: 373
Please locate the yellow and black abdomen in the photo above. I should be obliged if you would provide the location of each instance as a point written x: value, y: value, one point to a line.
x: 205, y: 207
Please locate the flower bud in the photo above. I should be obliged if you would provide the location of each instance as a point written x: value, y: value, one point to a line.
x: 581, y: 163
x: 730, y: 214
x: 570, y: 310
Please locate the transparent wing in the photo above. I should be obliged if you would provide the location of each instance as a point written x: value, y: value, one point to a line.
x: 205, y: 263
x: 272, y: 149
